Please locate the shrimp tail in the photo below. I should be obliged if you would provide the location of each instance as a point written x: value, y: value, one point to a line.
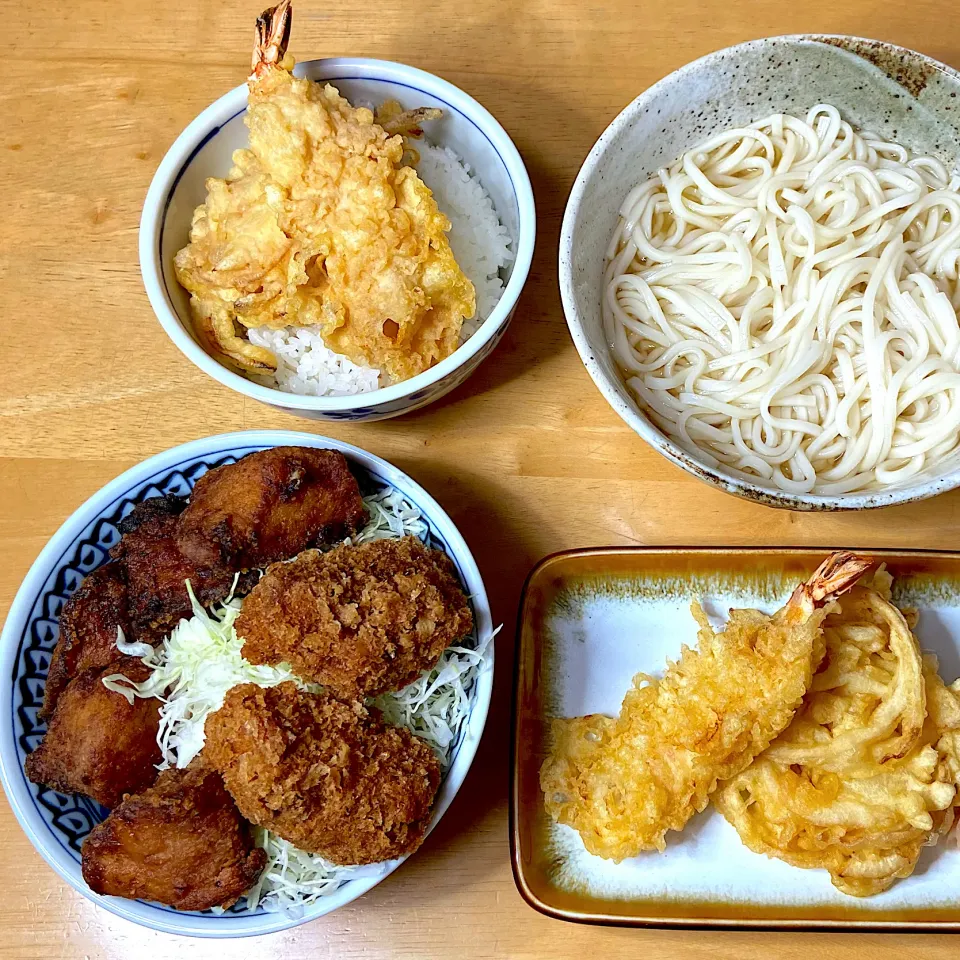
x: 837, y: 574
x: 271, y: 40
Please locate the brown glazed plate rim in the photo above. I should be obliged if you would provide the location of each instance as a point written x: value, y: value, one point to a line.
x: 739, y: 916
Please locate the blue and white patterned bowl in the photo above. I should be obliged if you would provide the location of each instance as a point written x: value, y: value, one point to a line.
x: 204, y: 150
x: 57, y: 824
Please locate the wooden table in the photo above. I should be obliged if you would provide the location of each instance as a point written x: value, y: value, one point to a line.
x: 526, y: 456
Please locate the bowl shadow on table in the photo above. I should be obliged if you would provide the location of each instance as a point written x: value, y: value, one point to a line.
x: 893, y: 526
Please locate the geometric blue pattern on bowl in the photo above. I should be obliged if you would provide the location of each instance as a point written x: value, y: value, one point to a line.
x: 68, y: 819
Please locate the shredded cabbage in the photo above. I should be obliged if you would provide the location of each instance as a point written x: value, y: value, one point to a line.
x: 200, y: 660
x: 293, y: 878
x: 437, y: 704
x: 193, y: 668
x: 392, y: 516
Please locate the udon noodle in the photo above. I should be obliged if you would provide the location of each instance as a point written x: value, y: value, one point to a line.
x: 782, y: 302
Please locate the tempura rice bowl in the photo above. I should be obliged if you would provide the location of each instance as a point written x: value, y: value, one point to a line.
x: 204, y: 149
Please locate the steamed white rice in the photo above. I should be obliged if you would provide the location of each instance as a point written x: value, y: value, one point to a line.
x: 481, y: 244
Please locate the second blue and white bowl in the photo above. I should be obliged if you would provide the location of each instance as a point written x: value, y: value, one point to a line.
x: 204, y: 150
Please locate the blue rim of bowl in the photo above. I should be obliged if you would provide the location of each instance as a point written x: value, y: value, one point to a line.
x: 232, y: 104
x: 630, y: 414
x: 36, y: 582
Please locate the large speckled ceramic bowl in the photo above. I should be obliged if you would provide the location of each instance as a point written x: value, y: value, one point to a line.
x: 899, y: 94
x: 205, y: 149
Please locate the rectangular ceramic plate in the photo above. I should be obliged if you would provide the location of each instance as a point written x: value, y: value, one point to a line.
x: 589, y: 621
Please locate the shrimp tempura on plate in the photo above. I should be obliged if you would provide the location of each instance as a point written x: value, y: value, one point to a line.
x: 623, y: 783
x: 319, y: 223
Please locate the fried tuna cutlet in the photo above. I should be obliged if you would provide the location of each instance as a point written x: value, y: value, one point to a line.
x: 329, y: 777
x: 156, y: 572
x: 181, y: 842
x: 96, y: 742
x: 88, y: 630
x: 269, y: 506
x: 360, y: 620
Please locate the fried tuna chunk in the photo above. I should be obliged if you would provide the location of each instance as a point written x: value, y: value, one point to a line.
x: 88, y: 630
x: 157, y: 570
x: 329, y: 777
x: 181, y: 842
x: 269, y: 506
x: 96, y: 742
x: 360, y: 620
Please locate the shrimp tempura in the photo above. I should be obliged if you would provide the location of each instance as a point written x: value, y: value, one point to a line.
x: 321, y: 224
x: 622, y: 784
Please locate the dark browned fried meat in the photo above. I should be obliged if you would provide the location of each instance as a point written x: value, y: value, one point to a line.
x: 269, y: 506
x: 96, y: 742
x: 361, y: 620
x: 330, y: 777
x: 88, y: 630
x: 167, y: 506
x: 181, y: 842
x: 156, y: 572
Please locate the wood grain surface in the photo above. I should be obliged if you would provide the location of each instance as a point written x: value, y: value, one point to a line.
x: 526, y: 456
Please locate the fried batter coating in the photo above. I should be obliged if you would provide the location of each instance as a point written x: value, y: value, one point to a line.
x: 156, y: 571
x: 96, y: 742
x: 866, y: 774
x: 320, y: 224
x: 150, y: 509
x: 715, y: 709
x: 181, y: 842
x: 360, y: 620
x: 88, y: 630
x: 269, y: 506
x: 329, y: 777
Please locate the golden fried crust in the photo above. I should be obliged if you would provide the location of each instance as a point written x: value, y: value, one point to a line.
x: 181, y: 842
x: 88, y: 630
x: 156, y: 572
x: 96, y: 742
x: 269, y: 506
x: 329, y: 777
x: 320, y: 224
x: 360, y: 620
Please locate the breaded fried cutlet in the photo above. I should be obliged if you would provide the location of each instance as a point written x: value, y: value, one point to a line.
x: 361, y: 620
x: 329, y: 777
x: 181, y: 842
x: 96, y: 742
x: 88, y: 630
x: 269, y: 506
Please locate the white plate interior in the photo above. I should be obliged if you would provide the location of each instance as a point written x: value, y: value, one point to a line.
x: 596, y: 640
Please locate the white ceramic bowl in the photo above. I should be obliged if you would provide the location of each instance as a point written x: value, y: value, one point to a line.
x: 57, y: 824
x: 204, y: 149
x: 900, y: 94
